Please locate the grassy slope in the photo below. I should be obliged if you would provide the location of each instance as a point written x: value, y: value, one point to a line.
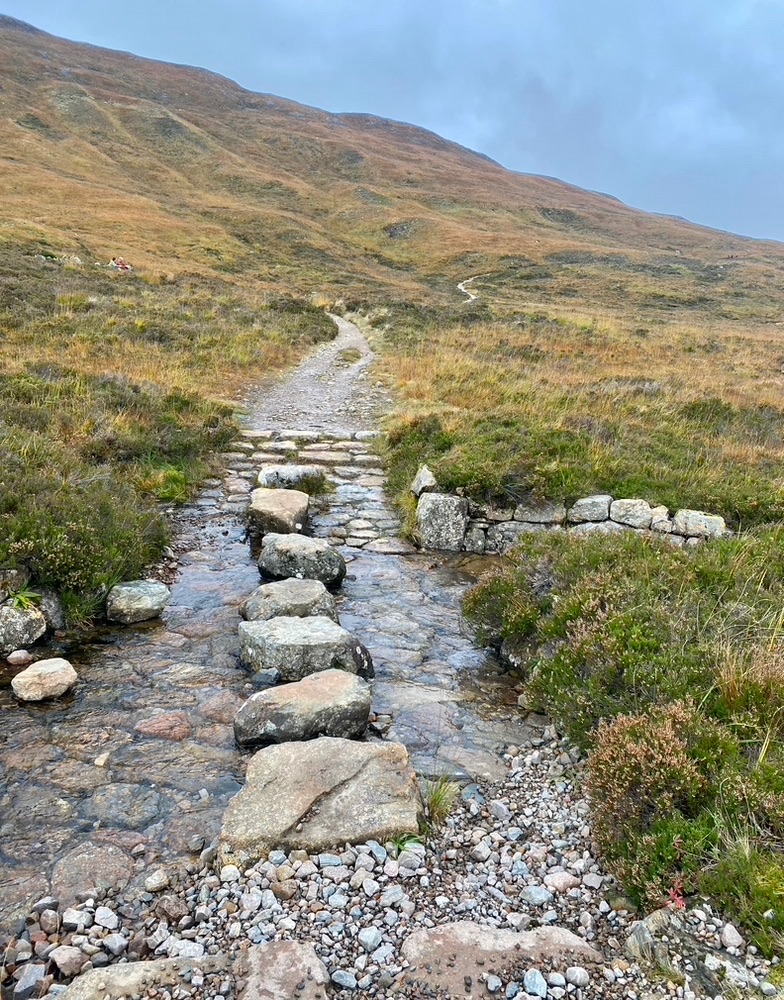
x: 208, y: 177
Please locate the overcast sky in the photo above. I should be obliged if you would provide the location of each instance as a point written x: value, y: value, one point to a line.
x: 674, y: 106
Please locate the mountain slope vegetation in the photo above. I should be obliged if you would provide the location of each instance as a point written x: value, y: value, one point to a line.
x: 608, y: 350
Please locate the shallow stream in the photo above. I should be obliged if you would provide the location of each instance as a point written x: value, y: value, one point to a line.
x: 136, y: 767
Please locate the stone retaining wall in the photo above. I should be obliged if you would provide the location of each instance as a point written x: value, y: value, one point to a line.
x: 456, y: 524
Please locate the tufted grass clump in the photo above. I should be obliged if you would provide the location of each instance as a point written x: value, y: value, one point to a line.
x: 663, y: 664
x: 439, y: 796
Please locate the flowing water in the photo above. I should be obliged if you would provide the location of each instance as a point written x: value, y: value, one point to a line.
x: 135, y: 768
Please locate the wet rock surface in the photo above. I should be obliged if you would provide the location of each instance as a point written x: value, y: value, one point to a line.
x: 318, y: 794
x: 434, y: 691
x: 329, y: 703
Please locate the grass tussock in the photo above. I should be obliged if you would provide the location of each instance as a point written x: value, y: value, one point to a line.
x: 111, y: 401
x: 547, y: 406
x: 665, y: 665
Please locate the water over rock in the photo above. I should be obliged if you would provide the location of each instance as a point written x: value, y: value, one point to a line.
x: 289, y: 598
x: 297, y: 647
x: 330, y: 703
x: 136, y: 601
x: 283, y: 556
x: 320, y: 794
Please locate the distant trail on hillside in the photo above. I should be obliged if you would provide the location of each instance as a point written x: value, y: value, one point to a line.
x: 467, y: 291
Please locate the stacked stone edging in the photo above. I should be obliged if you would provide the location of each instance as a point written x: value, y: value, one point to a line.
x: 455, y: 524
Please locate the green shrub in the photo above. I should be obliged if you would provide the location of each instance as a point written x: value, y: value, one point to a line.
x: 667, y: 666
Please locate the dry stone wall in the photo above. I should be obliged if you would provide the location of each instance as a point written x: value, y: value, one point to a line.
x: 455, y: 524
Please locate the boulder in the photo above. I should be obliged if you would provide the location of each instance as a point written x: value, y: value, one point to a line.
x: 554, y: 513
x: 599, y: 528
x: 424, y: 482
x: 595, y: 508
x: 318, y: 795
x: 136, y: 601
x: 19, y: 627
x: 297, y: 647
x: 442, y: 521
x: 289, y: 598
x: 276, y: 477
x: 329, y: 703
x: 51, y: 607
x: 634, y: 513
x: 698, y: 524
x: 445, y: 957
x: 283, y: 556
x: 279, y: 511
x: 661, y: 520
x: 44, y: 679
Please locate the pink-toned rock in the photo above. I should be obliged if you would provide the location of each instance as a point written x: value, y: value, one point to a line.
x: 167, y: 726
x: 220, y: 707
x: 20, y: 658
x: 561, y: 881
x: 446, y: 956
x: 90, y: 866
x: 69, y: 960
x: 44, y: 679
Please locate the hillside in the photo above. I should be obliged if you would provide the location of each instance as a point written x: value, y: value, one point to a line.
x: 181, y: 170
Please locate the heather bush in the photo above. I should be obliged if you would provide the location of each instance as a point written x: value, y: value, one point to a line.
x: 665, y: 666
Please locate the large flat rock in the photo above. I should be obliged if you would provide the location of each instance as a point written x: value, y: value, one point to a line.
x: 278, y: 511
x: 321, y: 794
x: 288, y: 555
x: 290, y: 599
x: 449, y: 956
x: 279, y: 970
x: 297, y: 647
x: 330, y: 703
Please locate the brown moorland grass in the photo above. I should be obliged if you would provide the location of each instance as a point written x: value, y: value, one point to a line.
x: 557, y: 406
x: 181, y: 171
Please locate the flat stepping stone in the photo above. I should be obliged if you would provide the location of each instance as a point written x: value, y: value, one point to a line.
x: 319, y: 795
x: 288, y: 476
x: 329, y: 703
x: 291, y: 599
x: 136, y: 601
x: 447, y: 956
x: 279, y: 511
x: 325, y: 457
x: 289, y: 555
x: 296, y: 647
